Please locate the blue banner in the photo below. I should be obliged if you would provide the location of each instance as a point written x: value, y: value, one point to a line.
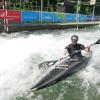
x: 47, y: 16
x: 89, y: 18
x: 59, y: 17
x: 82, y: 18
x: 54, y: 17
x: 70, y: 17
x: 29, y: 16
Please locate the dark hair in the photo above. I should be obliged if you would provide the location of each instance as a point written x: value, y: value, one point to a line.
x: 74, y: 36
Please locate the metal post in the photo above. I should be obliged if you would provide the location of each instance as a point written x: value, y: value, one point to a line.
x: 41, y: 10
x: 93, y: 13
x: 92, y: 2
x: 20, y: 3
x: 77, y: 17
x: 3, y: 6
x: 5, y: 20
x: 48, y: 6
x: 36, y: 6
x: 9, y: 4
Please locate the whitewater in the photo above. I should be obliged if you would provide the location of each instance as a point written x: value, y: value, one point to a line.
x: 21, y: 52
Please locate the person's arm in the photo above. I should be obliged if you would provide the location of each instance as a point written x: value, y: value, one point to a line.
x: 87, y: 49
x: 65, y: 53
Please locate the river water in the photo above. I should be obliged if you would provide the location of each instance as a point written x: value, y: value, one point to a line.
x: 21, y: 52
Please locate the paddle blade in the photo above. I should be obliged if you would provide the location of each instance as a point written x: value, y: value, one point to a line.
x: 47, y: 64
x: 98, y: 42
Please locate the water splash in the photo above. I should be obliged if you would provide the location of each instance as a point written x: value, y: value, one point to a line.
x: 21, y: 53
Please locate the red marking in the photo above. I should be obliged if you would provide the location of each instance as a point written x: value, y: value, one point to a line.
x: 10, y: 15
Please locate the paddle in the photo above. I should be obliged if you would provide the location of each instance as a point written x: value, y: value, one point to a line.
x: 49, y: 63
x: 97, y: 42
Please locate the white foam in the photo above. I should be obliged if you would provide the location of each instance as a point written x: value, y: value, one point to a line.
x: 20, y: 55
x: 91, y: 75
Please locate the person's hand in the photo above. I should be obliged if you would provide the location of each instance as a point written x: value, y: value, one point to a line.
x: 88, y: 48
x: 61, y: 58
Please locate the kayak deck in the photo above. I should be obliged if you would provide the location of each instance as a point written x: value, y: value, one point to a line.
x: 59, y: 70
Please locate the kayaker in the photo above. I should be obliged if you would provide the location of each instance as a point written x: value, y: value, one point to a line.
x: 73, y: 48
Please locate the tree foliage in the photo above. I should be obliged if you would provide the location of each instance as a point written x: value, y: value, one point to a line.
x: 21, y: 4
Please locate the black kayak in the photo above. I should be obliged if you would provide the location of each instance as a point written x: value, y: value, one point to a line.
x: 59, y: 70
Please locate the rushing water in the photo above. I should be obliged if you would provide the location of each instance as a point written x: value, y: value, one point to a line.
x: 20, y: 54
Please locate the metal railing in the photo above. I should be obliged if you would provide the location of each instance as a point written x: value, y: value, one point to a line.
x: 25, y: 6
x: 1, y: 7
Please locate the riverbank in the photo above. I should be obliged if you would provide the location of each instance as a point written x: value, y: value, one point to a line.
x: 15, y: 20
x: 32, y: 27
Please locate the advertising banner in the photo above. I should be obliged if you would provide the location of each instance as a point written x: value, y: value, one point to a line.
x: 59, y: 17
x: 29, y: 16
x: 10, y: 15
x: 2, y: 14
x: 47, y: 16
x: 54, y: 17
x: 36, y: 16
x: 82, y: 18
x: 13, y: 15
x: 71, y: 17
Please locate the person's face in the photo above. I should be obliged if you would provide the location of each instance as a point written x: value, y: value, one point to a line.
x: 74, y: 41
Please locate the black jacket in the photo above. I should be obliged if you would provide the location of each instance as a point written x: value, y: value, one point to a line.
x: 72, y: 49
